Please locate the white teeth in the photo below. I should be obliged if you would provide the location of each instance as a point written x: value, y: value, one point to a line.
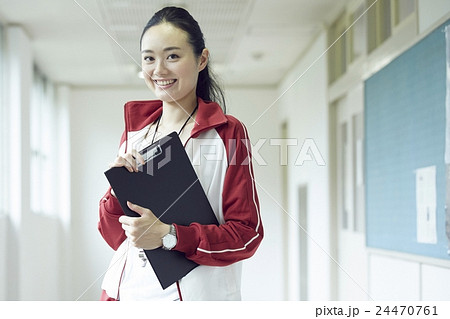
x: 164, y: 82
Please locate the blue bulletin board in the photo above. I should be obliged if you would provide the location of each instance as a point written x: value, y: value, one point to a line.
x: 405, y: 121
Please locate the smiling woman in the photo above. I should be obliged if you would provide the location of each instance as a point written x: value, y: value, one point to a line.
x: 191, y: 34
x: 175, y: 68
x: 171, y: 71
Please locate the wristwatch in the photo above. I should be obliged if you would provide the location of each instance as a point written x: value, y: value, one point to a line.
x: 170, y: 240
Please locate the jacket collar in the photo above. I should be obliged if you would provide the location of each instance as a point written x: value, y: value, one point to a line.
x: 139, y: 114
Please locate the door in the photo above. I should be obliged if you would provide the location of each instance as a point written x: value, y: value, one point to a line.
x: 352, y: 266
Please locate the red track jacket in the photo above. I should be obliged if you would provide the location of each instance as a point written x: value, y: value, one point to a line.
x: 226, y: 175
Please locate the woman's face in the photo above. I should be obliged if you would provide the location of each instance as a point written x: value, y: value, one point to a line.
x: 169, y: 64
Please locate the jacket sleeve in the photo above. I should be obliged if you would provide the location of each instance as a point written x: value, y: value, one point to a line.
x: 108, y: 225
x: 240, y: 235
x: 109, y: 213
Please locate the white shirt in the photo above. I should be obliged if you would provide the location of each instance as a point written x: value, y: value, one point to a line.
x: 141, y: 283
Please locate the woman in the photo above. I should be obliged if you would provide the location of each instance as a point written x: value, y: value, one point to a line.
x: 175, y: 67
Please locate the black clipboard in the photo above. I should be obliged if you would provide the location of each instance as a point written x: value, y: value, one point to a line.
x: 168, y: 185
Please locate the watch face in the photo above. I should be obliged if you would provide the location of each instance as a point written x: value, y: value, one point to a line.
x: 169, y: 241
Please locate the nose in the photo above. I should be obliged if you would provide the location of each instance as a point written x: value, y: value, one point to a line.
x: 160, y: 68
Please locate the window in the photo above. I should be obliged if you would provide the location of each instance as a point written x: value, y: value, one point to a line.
x: 367, y: 26
x: 378, y: 23
x: 403, y: 9
x: 358, y: 33
x: 338, y: 53
x: 42, y: 174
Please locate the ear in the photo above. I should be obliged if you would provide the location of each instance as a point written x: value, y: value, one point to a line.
x: 203, y: 60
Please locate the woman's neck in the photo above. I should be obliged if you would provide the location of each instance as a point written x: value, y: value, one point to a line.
x: 177, y: 112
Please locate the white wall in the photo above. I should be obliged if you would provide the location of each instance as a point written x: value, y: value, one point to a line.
x: 263, y: 274
x: 395, y: 276
x: 19, y: 74
x: 31, y: 250
x: 96, y: 125
x: 431, y: 12
x: 435, y: 281
x: 305, y: 108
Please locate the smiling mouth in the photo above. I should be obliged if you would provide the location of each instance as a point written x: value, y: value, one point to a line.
x: 164, y: 82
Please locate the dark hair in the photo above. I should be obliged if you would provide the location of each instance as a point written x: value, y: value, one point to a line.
x: 207, y: 87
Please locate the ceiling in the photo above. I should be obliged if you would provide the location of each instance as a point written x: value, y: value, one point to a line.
x: 96, y: 42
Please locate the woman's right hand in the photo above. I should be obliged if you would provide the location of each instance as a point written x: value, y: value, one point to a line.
x: 129, y: 160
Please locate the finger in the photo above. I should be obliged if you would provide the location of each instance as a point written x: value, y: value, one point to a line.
x: 135, y: 158
x: 126, y: 228
x: 136, y: 208
x: 131, y: 161
x: 122, y: 162
x: 138, y: 157
x: 139, y: 209
x: 126, y: 220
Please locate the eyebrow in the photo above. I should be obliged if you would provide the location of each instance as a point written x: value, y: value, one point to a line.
x: 165, y: 49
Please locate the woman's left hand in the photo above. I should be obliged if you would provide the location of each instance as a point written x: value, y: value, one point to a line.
x: 146, y: 231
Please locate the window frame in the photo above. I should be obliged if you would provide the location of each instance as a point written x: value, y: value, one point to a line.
x: 42, y: 142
